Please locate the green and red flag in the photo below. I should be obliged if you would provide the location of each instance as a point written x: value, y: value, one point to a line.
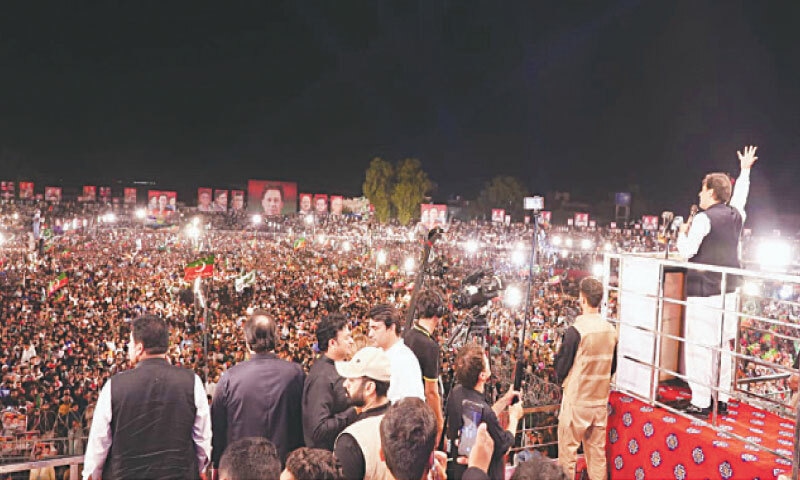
x: 203, y: 268
x: 57, y: 284
x: 300, y: 243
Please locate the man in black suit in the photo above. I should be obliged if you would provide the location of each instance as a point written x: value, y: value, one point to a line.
x: 260, y: 397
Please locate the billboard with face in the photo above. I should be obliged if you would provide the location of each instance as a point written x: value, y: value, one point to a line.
x: 130, y: 196
x: 161, y: 203
x: 581, y: 219
x: 336, y: 204
x: 204, y: 199
x: 320, y: 204
x: 52, y: 194
x: 105, y: 193
x: 650, y: 222
x: 498, y: 215
x: 237, y: 200
x: 25, y: 190
x: 89, y: 193
x: 433, y: 215
x: 7, y: 190
x: 271, y: 198
x: 306, y: 203
x: 220, y: 200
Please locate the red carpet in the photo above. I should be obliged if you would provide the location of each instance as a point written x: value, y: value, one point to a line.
x: 651, y: 443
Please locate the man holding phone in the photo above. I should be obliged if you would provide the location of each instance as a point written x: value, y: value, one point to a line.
x: 467, y: 400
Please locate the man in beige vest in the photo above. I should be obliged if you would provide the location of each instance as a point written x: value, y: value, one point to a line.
x: 358, y: 447
x: 584, y: 364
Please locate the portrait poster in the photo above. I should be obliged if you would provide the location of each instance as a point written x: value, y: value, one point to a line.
x: 271, y: 198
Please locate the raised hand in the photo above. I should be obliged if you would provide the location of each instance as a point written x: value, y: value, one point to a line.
x: 747, y: 159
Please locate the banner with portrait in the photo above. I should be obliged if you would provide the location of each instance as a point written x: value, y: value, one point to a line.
x: 432, y: 215
x: 650, y: 222
x: 581, y: 219
x: 7, y: 190
x: 130, y: 196
x: 161, y: 206
x: 204, y: 199
x: 320, y: 204
x: 336, y: 204
x: 271, y: 198
x: 546, y: 216
x: 306, y: 203
x: 26, y: 190
x: 498, y: 215
x: 237, y: 200
x: 89, y: 193
x: 105, y: 194
x: 52, y: 194
x: 220, y: 200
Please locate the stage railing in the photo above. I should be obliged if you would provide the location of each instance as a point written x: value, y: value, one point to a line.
x: 763, y: 307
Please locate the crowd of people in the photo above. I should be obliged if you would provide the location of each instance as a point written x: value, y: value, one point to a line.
x: 60, y: 346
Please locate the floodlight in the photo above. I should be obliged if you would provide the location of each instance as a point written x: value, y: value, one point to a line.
x: 774, y: 254
x: 256, y: 219
x: 512, y: 297
x: 409, y: 264
x: 381, y: 257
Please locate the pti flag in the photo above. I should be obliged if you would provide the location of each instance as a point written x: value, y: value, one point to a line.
x: 240, y: 283
x: 300, y: 243
x: 202, y: 268
x: 57, y: 284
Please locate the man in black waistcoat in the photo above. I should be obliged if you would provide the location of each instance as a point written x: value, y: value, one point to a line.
x: 260, y: 397
x: 151, y: 421
x: 712, y: 238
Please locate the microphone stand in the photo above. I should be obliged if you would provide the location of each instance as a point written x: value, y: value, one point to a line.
x: 519, y: 368
x: 433, y: 235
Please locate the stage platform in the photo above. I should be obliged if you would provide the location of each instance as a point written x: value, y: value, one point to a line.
x: 652, y: 443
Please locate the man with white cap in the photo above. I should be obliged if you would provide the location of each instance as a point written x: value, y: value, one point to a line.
x: 358, y: 447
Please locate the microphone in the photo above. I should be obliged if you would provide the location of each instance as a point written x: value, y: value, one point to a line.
x: 666, y: 217
x: 692, y: 212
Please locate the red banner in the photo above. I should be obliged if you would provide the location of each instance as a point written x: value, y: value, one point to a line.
x: 271, y: 198
x: 25, y: 190
x: 433, y: 215
x: 130, y: 196
x: 306, y: 203
x: 237, y: 200
x: 52, y: 194
x: 336, y: 204
x: 204, y: 199
x: 498, y: 215
x: 320, y: 204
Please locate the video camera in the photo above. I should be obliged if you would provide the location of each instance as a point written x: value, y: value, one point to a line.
x: 477, y: 288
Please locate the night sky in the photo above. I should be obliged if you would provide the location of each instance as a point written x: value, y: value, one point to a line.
x: 592, y: 97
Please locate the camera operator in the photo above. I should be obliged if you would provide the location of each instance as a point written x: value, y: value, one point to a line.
x: 472, y: 372
x: 430, y: 308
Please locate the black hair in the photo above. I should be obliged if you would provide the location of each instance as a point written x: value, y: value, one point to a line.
x: 250, y: 457
x: 260, y: 332
x: 327, y: 329
x: 386, y: 314
x: 408, y: 437
x: 592, y: 291
x: 469, y: 365
x: 381, y: 388
x: 313, y: 464
x: 539, y: 468
x: 273, y: 186
x: 430, y: 303
x: 151, y: 331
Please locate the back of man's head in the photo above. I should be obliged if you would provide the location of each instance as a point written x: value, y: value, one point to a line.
x: 592, y: 290
x: 312, y: 464
x: 408, y: 437
x: 430, y: 303
x: 720, y: 184
x: 151, y: 331
x: 250, y: 457
x: 539, y: 468
x: 260, y: 332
